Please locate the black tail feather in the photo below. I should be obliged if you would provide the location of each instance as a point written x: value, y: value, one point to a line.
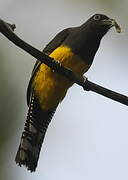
x: 33, y: 135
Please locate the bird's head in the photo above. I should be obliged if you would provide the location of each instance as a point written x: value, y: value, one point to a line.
x: 85, y: 39
x: 101, y: 23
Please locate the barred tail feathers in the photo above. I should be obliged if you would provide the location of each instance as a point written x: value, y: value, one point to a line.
x: 33, y: 135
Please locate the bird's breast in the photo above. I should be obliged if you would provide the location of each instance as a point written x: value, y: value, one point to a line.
x: 51, y: 87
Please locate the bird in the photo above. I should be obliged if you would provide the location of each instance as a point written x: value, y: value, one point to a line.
x: 74, y: 48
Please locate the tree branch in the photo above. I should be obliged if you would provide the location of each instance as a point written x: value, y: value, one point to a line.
x: 7, y: 30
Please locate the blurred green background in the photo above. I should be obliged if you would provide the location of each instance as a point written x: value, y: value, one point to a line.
x: 87, y: 138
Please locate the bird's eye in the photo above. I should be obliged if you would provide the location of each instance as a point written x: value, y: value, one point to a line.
x: 96, y: 17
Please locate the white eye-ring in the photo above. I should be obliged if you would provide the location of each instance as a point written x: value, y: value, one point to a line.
x: 96, y: 17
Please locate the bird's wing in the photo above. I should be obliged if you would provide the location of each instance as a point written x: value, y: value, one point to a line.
x: 50, y: 47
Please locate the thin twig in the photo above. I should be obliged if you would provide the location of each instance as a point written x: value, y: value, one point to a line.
x: 7, y: 30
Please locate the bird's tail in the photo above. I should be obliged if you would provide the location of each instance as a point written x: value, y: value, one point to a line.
x: 33, y: 135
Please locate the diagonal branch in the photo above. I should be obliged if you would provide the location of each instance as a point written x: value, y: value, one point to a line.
x: 7, y: 30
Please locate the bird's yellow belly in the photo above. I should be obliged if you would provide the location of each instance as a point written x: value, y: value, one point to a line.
x: 51, y: 87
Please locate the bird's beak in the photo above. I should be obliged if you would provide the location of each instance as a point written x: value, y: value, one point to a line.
x: 111, y: 23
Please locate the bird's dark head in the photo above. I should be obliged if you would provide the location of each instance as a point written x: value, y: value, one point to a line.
x: 100, y: 24
x: 84, y: 40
